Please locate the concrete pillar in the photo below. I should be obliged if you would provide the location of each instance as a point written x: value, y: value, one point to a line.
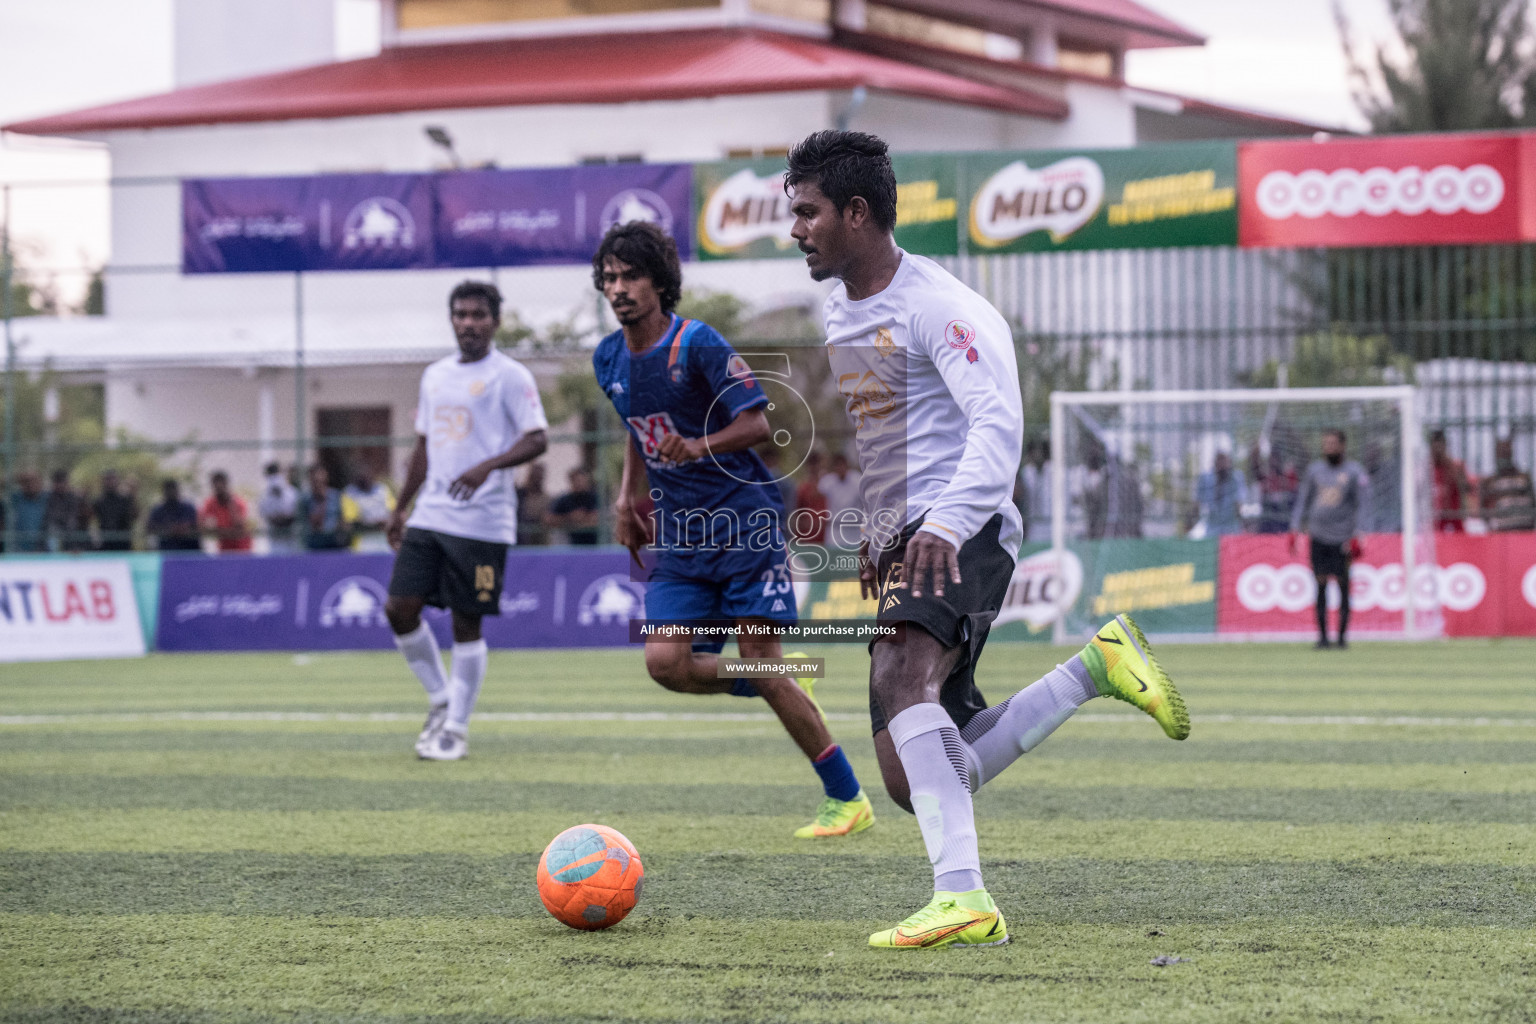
x: 1042, y: 43
x: 850, y: 14
x: 266, y: 419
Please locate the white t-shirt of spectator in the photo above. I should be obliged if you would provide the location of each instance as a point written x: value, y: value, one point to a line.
x: 470, y: 412
x: 279, y: 498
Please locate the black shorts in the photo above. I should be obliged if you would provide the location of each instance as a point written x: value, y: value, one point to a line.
x: 1329, y: 559
x: 961, y: 618
x: 450, y: 572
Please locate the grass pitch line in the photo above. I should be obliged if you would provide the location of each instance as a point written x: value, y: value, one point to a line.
x: 716, y: 716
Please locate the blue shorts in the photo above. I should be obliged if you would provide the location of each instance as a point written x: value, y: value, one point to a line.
x: 748, y: 585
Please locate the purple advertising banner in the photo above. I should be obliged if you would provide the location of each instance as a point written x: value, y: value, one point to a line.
x: 409, y: 221
x: 326, y: 222
x: 514, y: 218
x: 335, y: 602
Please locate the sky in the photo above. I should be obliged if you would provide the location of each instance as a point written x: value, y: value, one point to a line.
x: 1276, y: 56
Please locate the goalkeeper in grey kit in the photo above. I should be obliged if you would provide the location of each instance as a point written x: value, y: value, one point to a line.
x: 1334, y: 499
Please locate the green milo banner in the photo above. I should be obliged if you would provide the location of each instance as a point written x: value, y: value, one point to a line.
x: 743, y: 213
x: 1169, y: 585
x: 1053, y: 200
x: 927, y: 203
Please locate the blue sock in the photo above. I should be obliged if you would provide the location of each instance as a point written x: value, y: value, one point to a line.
x: 836, y: 773
x: 744, y: 688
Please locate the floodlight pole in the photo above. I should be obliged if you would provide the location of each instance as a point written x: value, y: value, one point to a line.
x: 1059, y: 512
x: 300, y: 392
x: 7, y: 479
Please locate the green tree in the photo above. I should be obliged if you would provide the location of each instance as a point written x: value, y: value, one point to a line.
x: 28, y: 295
x: 1336, y: 359
x: 1456, y: 65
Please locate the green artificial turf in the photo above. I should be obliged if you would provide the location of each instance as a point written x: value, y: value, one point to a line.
x: 1346, y: 836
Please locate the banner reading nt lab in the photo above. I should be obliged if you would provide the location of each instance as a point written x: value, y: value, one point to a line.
x: 1048, y: 201
x: 57, y: 609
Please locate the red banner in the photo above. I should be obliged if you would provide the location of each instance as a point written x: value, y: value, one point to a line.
x: 1484, y: 586
x: 1447, y: 189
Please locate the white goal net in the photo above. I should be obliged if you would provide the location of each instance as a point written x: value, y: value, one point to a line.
x: 1177, y: 507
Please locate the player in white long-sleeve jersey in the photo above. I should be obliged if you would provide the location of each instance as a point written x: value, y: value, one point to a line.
x: 927, y: 367
x: 477, y: 416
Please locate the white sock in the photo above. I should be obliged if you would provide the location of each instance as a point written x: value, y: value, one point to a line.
x: 938, y: 776
x: 1016, y: 726
x: 421, y: 653
x: 468, y: 673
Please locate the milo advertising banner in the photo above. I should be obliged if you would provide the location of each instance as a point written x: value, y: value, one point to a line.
x: 1152, y: 196
x: 743, y: 212
x: 927, y: 203
x: 1169, y: 585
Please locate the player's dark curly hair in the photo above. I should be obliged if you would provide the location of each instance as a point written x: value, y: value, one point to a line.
x: 477, y: 290
x: 847, y: 164
x: 650, y: 250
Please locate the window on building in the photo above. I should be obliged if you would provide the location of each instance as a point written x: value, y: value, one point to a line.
x: 888, y: 21
x: 622, y: 158
x: 1086, y: 59
x: 359, y: 437
x: 819, y: 11
x: 447, y: 13
x: 756, y: 153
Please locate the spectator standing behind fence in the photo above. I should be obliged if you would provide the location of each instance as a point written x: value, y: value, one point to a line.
x: 1334, y: 505
x: 808, y: 521
x: 575, y: 511
x: 224, y: 515
x: 366, y: 504
x: 1452, y: 489
x: 532, y: 507
x: 1277, y: 482
x: 278, y: 507
x: 115, y: 511
x: 29, y: 513
x: 1219, y: 494
x: 845, y: 505
x: 1507, y: 498
x: 173, y: 522
x: 66, y: 515
x: 321, y: 523
x: 1035, y: 479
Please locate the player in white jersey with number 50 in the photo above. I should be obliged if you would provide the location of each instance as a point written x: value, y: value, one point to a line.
x: 927, y: 367
x: 478, y: 415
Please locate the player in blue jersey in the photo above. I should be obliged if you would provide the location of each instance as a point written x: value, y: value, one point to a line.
x: 694, y: 410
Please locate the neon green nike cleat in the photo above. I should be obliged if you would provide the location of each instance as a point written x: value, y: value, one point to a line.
x: 965, y: 920
x: 1120, y: 661
x: 808, y: 684
x: 839, y: 818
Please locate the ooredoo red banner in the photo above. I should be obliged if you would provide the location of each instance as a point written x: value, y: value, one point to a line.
x: 1483, y: 586
x: 1447, y: 189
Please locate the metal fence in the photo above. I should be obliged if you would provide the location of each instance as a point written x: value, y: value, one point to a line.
x: 1458, y: 322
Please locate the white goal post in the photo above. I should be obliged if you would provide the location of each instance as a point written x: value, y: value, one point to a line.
x: 1134, y: 410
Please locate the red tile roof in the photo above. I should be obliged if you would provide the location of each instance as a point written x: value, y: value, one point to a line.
x: 573, y: 69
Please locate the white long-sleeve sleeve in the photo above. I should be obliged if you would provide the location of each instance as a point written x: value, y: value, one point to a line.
x: 986, y: 388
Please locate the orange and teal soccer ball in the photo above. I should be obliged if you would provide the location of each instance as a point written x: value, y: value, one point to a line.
x: 590, y: 877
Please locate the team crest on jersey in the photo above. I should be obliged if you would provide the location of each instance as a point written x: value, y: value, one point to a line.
x: 959, y: 335
x: 869, y: 397
x: 737, y: 367
x: 651, y: 430
x: 476, y: 388
x: 884, y: 343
